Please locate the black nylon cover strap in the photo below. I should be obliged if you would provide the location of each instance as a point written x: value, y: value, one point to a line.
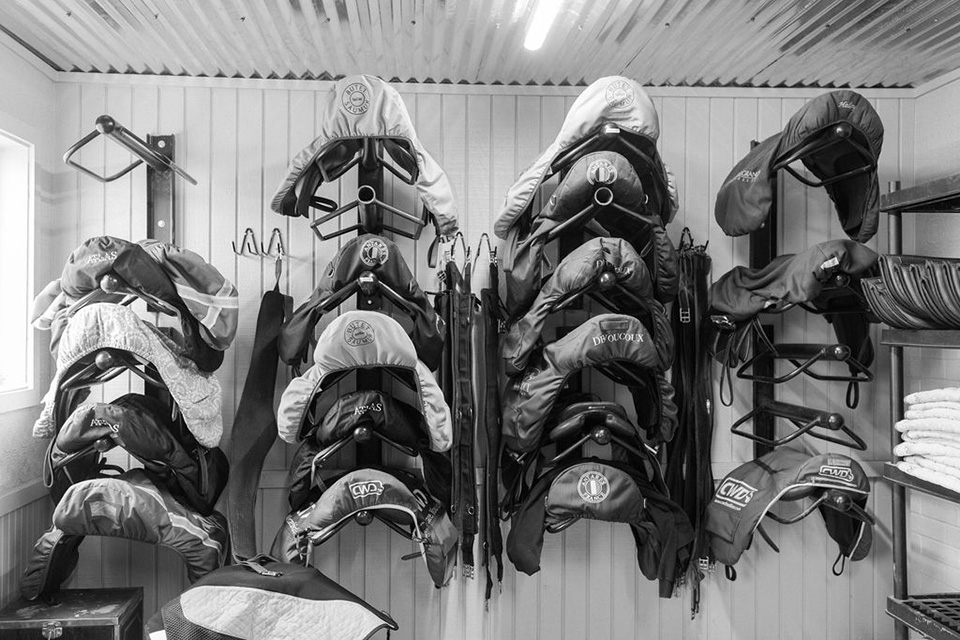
x: 255, y: 427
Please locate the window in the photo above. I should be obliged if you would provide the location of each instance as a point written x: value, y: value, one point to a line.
x: 16, y: 269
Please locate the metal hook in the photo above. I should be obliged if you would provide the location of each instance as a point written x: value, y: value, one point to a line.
x: 491, y: 250
x: 275, y: 243
x: 449, y: 254
x: 248, y: 245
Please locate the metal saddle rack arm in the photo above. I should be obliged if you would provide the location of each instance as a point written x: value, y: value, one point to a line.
x: 806, y: 420
x: 606, y: 281
x: 602, y: 199
x: 821, y: 140
x: 363, y: 518
x: 106, y: 365
x: 832, y: 498
x: 602, y: 427
x: 106, y: 125
x: 368, y: 284
x: 604, y: 134
x: 111, y: 284
x: 370, y: 158
x: 366, y: 203
x: 803, y: 357
x: 360, y: 435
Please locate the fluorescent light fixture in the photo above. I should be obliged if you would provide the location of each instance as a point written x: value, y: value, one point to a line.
x: 540, y: 23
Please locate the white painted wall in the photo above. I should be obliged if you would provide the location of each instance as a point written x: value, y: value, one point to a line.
x: 28, y: 110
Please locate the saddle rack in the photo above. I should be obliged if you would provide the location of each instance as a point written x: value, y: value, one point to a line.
x: 818, y: 142
x: 807, y: 420
x: 600, y: 422
x: 370, y: 209
x: 107, y: 126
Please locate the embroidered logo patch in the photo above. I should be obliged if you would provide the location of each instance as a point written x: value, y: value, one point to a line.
x: 355, y: 98
x: 376, y: 407
x: 601, y: 171
x: 366, y: 488
x: 593, y: 487
x: 844, y: 474
x: 747, y: 176
x: 100, y: 422
x: 735, y: 494
x: 374, y: 252
x: 96, y: 258
x: 619, y: 93
x: 358, y: 333
x: 846, y: 104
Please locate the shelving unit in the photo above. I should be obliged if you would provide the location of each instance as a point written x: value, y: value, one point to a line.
x: 936, y: 615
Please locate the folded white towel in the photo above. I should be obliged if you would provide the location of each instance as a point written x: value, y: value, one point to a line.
x: 927, y: 448
x: 933, y: 465
x: 929, y: 424
x: 920, y: 411
x: 947, y: 460
x: 947, y: 394
x: 942, y: 479
x: 927, y: 434
x: 925, y: 406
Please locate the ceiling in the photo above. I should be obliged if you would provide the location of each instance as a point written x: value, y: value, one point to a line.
x: 778, y: 43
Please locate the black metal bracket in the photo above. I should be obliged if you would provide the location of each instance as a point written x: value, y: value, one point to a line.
x: 161, y: 192
x: 370, y: 176
x: 763, y: 249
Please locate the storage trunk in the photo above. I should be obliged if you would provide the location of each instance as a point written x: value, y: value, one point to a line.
x: 79, y: 614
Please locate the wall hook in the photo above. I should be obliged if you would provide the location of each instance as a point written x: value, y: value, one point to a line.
x: 274, y: 245
x: 248, y: 245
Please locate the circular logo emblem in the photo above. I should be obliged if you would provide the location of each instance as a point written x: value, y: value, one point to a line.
x: 358, y: 333
x: 601, y: 171
x: 619, y: 94
x: 374, y: 252
x: 355, y: 98
x: 593, y: 487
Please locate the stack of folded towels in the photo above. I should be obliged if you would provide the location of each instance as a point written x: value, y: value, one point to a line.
x: 930, y: 432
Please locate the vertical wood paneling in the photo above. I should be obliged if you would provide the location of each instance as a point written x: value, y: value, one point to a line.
x: 238, y: 141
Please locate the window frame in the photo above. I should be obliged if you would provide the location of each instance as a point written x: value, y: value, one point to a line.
x: 26, y: 396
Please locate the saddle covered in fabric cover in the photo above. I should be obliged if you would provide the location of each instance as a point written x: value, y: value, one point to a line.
x: 364, y: 340
x: 523, y: 249
x: 746, y: 495
x: 578, y: 272
x: 206, y: 302
x: 746, y: 196
x: 263, y: 599
x: 358, y: 107
x: 612, y: 99
x: 128, y: 506
x: 170, y: 454
x: 396, y: 495
x: 526, y: 237
x: 384, y: 415
x: 610, y: 492
x: 110, y: 326
x: 383, y: 258
x: 743, y: 292
x: 602, y: 340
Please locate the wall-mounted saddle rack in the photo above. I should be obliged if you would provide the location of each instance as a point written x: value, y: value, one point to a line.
x: 813, y: 422
x: 143, y: 150
x: 817, y: 143
x: 803, y: 357
x: 371, y: 211
x: 158, y: 153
